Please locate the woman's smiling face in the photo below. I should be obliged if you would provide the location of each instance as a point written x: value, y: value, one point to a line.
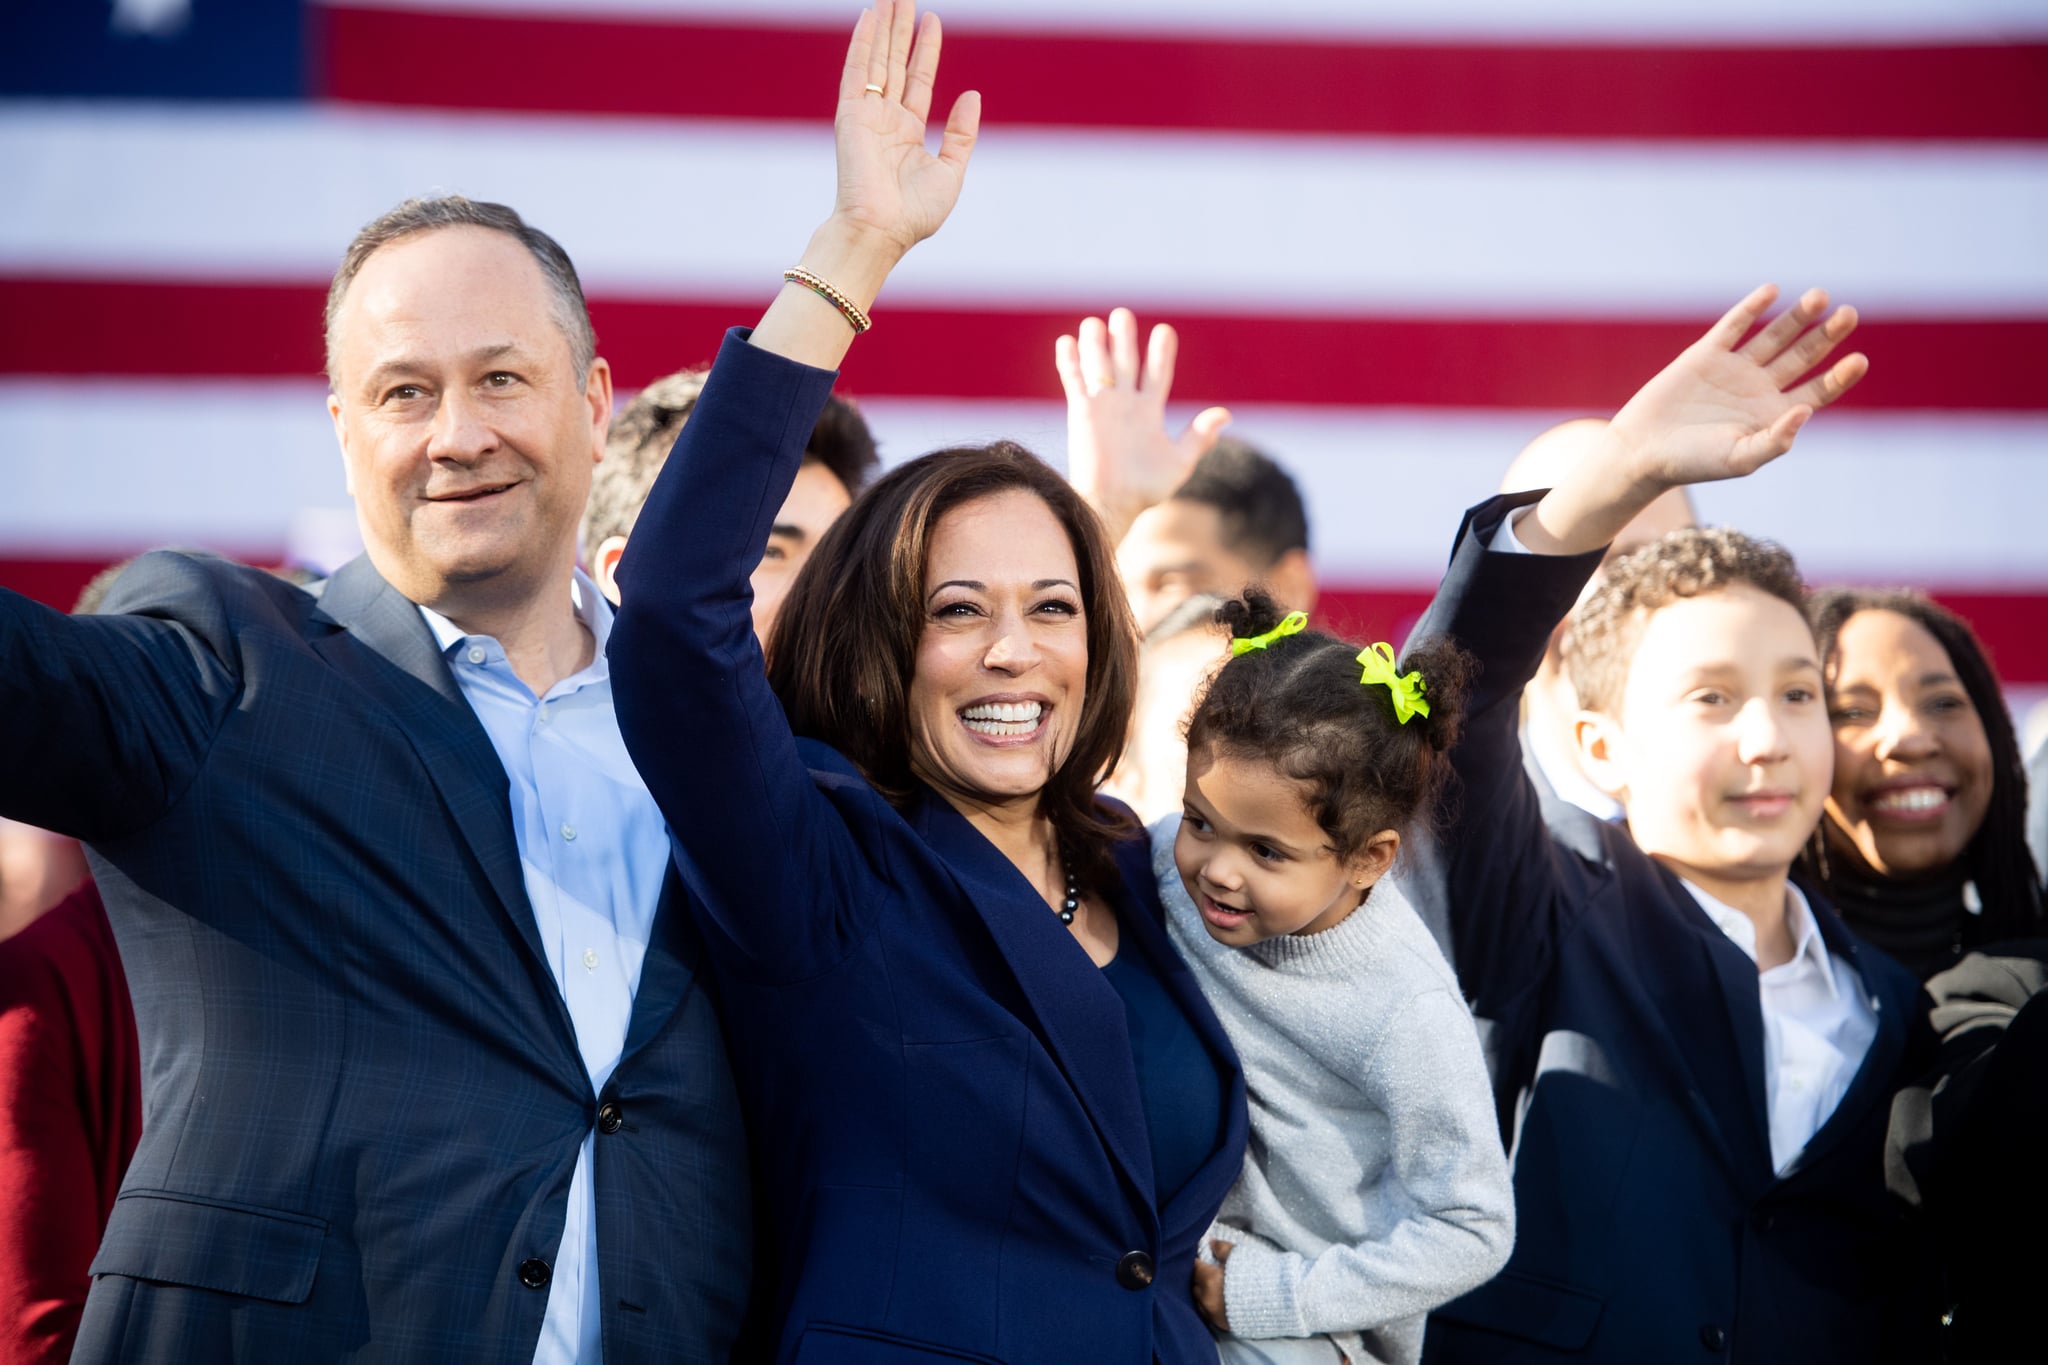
x: 1002, y: 664
x: 1913, y: 766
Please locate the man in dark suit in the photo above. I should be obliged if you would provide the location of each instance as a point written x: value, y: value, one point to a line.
x: 1693, y: 1061
x: 427, y: 1070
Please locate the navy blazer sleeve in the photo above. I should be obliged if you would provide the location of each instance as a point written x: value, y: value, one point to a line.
x: 1512, y: 889
x: 106, y: 719
x: 770, y: 857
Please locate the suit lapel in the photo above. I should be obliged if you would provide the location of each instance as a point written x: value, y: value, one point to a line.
x: 667, y: 971
x: 1707, y: 1000
x: 1145, y: 931
x: 1079, y: 1013
x: 390, y: 653
x: 1893, y: 994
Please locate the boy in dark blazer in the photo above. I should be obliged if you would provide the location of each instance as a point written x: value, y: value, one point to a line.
x: 1693, y: 1061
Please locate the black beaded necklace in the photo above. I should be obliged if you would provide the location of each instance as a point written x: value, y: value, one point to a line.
x: 1072, y: 902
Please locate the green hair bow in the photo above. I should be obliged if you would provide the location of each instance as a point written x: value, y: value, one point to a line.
x: 1379, y: 668
x: 1294, y: 623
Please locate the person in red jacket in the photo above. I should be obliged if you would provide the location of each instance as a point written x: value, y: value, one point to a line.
x: 70, y: 1114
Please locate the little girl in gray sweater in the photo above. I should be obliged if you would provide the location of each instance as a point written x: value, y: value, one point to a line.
x: 1374, y: 1186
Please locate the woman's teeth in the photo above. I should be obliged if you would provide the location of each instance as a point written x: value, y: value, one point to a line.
x: 1908, y: 800
x: 1003, y: 719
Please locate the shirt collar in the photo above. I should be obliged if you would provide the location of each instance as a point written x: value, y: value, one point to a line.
x: 590, y: 606
x: 1807, y: 944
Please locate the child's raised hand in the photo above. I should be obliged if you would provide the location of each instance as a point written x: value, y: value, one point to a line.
x: 1208, y: 1287
x: 1726, y: 407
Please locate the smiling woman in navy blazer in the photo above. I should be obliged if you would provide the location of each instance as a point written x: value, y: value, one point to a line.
x: 991, y: 1115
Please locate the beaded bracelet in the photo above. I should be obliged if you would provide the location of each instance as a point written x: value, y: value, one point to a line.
x: 848, y: 309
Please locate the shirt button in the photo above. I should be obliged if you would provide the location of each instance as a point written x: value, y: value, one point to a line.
x: 476, y: 654
x: 590, y: 958
x: 1713, y: 1337
x: 535, y: 1273
x: 569, y: 832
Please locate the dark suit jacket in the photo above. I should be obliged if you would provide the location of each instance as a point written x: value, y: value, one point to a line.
x: 1628, y: 1048
x: 939, y: 1082
x: 363, y: 1097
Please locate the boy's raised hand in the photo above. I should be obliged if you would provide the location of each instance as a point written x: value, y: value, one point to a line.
x: 1724, y: 408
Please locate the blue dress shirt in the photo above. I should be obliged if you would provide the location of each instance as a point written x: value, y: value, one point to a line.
x: 593, y: 850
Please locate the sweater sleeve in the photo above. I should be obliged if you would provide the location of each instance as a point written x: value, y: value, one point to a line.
x: 1455, y: 1211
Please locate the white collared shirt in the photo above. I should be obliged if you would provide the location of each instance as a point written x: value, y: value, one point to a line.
x: 593, y: 853
x: 1818, y: 1023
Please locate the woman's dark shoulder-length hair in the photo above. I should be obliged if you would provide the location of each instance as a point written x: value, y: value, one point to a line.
x: 845, y: 642
x: 1997, y: 855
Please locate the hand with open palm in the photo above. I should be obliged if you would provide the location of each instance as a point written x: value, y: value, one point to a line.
x: 891, y: 191
x: 1728, y: 405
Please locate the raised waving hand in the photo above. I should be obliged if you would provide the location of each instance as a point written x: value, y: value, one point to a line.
x: 891, y: 190
x: 1728, y: 405
x: 1120, y: 456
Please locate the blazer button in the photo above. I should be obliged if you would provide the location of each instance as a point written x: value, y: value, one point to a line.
x: 1134, y: 1271
x: 535, y: 1273
x: 610, y: 1117
x: 1713, y: 1338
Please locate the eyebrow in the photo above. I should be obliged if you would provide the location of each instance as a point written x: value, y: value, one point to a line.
x: 976, y: 585
x: 785, y: 528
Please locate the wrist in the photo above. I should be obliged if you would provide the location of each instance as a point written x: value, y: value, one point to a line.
x: 854, y: 257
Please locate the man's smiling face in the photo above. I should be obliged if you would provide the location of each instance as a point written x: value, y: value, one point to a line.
x: 467, y: 434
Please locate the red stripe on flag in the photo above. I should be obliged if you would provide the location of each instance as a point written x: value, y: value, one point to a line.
x: 685, y: 69
x: 102, y: 327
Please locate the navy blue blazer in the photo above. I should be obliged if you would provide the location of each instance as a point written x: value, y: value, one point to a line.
x: 938, y: 1081
x: 1627, y: 1040
x: 362, y: 1094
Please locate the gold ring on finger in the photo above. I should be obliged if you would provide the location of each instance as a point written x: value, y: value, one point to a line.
x: 874, y: 89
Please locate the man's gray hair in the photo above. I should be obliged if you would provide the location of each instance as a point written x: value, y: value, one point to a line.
x: 453, y: 210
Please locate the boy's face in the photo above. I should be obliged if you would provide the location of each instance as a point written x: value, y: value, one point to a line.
x: 1722, y: 753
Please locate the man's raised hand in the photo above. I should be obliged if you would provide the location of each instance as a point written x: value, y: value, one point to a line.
x: 1120, y: 455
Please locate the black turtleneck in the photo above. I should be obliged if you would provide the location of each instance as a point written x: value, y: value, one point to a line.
x: 1924, y: 924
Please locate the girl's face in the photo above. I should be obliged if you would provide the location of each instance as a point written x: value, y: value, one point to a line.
x: 1913, y: 767
x: 1255, y: 861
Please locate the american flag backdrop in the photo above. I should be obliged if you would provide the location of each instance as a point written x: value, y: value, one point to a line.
x: 1398, y: 236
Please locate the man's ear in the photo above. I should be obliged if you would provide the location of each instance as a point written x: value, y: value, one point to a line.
x: 1292, y: 581
x: 1370, y: 863
x: 1601, y: 747
x: 348, y: 472
x: 604, y: 566
x: 597, y: 392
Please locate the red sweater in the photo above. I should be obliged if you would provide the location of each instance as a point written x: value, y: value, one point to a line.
x: 70, y: 1112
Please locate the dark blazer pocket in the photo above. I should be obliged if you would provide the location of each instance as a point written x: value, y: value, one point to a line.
x: 825, y: 1344
x: 212, y: 1244
x: 1530, y: 1309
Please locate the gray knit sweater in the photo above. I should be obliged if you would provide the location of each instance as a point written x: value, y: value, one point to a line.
x: 1374, y: 1186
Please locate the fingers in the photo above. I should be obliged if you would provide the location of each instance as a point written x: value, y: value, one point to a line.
x: 924, y: 69
x: 1813, y: 347
x: 854, y: 75
x: 1097, y: 370
x: 1123, y: 347
x: 1727, y: 334
x: 963, y: 125
x: 1766, y: 345
x: 1840, y: 377
x: 1759, y: 448
x: 877, y: 73
x: 1066, y: 358
x: 1202, y: 433
x: 1162, y: 352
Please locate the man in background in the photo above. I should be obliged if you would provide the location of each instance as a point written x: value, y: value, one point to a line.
x: 837, y: 464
